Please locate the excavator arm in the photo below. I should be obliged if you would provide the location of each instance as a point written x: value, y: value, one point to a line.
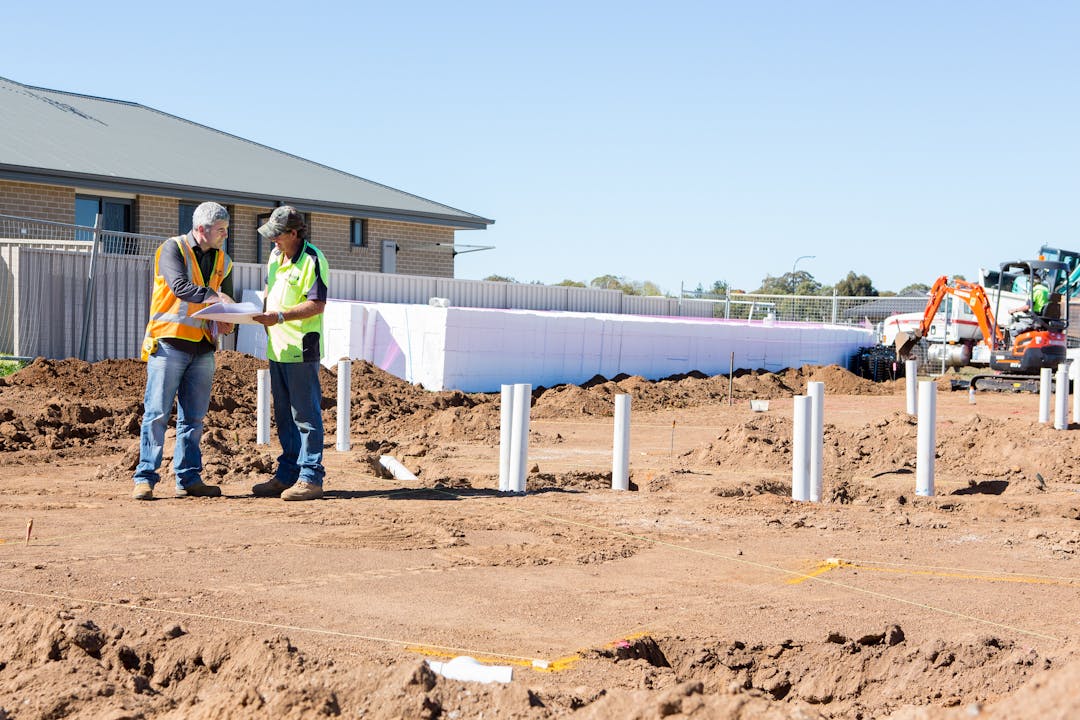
x: 972, y: 294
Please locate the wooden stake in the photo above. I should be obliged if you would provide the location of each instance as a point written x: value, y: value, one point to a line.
x: 29, y: 529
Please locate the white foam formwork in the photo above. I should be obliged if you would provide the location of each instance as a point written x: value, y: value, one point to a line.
x: 479, y: 350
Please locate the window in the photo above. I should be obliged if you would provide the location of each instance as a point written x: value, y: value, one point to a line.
x: 115, y: 215
x: 358, y: 233
x: 183, y: 222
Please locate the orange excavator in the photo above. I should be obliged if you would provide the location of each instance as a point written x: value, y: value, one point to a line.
x: 1032, y: 341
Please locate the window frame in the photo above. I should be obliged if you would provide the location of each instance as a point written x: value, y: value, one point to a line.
x: 363, y: 240
x: 112, y: 245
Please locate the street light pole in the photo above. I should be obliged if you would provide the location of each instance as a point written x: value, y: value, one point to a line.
x: 801, y: 257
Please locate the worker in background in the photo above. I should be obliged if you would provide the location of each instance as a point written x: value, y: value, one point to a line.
x: 1040, y: 294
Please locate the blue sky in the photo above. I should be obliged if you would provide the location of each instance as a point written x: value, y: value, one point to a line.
x: 678, y: 143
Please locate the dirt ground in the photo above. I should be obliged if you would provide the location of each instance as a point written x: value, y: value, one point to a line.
x: 703, y: 592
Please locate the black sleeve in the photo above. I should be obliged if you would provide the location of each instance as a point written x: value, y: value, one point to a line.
x: 173, y: 269
x: 318, y: 290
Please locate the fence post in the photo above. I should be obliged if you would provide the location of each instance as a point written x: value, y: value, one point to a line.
x: 834, y: 306
x: 88, y: 294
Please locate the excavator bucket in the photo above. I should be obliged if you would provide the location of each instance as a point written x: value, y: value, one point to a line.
x: 905, y: 343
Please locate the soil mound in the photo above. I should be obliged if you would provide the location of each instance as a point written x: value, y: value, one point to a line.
x: 63, y: 663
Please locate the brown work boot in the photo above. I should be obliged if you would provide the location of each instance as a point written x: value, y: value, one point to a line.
x: 302, y: 491
x: 271, y: 488
x: 142, y: 491
x: 199, y: 489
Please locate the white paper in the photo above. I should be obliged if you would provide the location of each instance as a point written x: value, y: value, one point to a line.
x: 236, y: 313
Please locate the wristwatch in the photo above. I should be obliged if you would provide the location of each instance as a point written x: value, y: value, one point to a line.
x: 280, y: 317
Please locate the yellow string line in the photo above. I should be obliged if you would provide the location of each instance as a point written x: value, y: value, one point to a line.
x: 277, y: 626
x: 794, y: 573
x: 834, y: 564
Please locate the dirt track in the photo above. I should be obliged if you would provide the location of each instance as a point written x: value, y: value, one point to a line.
x: 704, y: 592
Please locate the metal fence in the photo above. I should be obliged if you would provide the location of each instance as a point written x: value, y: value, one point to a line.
x: 75, y: 291
x: 72, y: 291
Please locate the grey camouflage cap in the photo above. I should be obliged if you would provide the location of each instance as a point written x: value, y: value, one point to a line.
x: 282, y: 220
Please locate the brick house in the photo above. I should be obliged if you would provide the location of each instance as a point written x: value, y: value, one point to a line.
x: 66, y: 157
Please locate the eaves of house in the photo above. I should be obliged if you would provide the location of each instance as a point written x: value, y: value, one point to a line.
x: 62, y: 138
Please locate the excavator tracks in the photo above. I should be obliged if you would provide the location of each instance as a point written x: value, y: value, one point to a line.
x: 1005, y: 382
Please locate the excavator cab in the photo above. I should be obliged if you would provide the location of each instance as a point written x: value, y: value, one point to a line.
x: 1034, y: 337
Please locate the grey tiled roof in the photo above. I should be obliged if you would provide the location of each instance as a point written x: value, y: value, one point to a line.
x: 65, y: 138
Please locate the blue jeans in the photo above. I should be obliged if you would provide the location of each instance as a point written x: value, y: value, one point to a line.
x: 298, y: 416
x: 174, y: 375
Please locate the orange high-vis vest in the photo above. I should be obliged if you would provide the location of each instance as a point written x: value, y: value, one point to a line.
x: 170, y: 317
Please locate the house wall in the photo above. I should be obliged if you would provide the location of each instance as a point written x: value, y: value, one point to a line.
x: 43, y: 202
x: 158, y: 215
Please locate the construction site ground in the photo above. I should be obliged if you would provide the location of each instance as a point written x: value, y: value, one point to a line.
x: 704, y: 591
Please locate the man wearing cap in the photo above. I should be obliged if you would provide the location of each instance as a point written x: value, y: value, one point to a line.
x: 297, y: 275
x: 190, y: 272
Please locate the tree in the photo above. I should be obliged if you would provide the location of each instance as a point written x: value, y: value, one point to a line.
x: 915, y: 288
x: 608, y: 282
x: 570, y: 283
x: 853, y: 285
x: 646, y: 287
x: 500, y: 278
x: 797, y: 283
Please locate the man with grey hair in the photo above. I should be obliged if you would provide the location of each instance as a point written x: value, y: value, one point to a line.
x: 190, y: 272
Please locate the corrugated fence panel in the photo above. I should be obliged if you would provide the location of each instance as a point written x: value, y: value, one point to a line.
x: 536, y: 297
x: 473, y: 293
x: 380, y: 287
x: 9, y: 263
x: 50, y: 302
x: 690, y: 307
x: 651, y: 305
x: 247, y: 276
x: 121, y: 307
x: 593, y: 300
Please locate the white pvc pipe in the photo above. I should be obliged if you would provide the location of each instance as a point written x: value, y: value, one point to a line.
x: 911, y: 377
x: 620, y: 457
x: 1046, y: 379
x: 506, y: 429
x: 344, y: 403
x: 399, y: 471
x: 800, y: 449
x: 816, y: 392
x: 262, y: 408
x: 519, y: 441
x: 1076, y: 399
x: 1061, y: 398
x: 926, y: 436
